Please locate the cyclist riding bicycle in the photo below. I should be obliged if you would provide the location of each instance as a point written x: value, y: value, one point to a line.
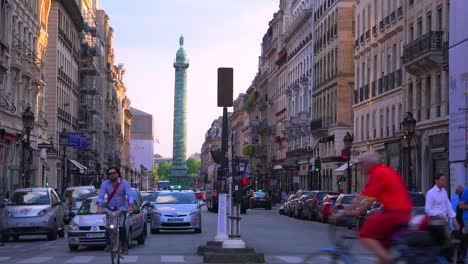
x: 120, y: 197
x: 386, y: 186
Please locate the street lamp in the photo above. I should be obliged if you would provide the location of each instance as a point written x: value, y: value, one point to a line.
x: 409, y: 126
x: 348, y: 142
x: 28, y: 125
x: 64, y: 142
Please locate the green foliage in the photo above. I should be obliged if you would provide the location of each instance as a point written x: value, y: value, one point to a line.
x: 250, y: 101
x: 193, y: 166
x: 163, y: 170
x: 248, y: 150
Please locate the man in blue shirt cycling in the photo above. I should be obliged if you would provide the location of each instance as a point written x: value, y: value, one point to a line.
x: 120, y: 197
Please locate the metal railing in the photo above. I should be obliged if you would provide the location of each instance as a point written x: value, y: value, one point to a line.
x: 431, y: 41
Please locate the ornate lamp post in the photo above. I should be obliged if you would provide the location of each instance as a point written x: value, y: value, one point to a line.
x: 348, y: 142
x: 28, y: 125
x: 409, y: 127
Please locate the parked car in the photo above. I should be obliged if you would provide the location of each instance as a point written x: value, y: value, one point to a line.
x: 419, y: 201
x: 176, y: 210
x: 313, y: 202
x: 73, y: 197
x: 298, y: 210
x: 137, y: 195
x: 343, y: 201
x: 287, y: 204
x: 326, y: 207
x: 295, y: 201
x: 32, y: 211
x: 88, y: 228
x: 148, y: 197
x: 260, y: 199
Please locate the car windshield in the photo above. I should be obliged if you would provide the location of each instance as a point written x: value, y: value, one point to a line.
x: 417, y: 199
x: 29, y: 198
x: 89, y: 207
x: 347, y: 199
x: 149, y: 197
x: 260, y: 194
x: 78, y: 194
x: 176, y: 198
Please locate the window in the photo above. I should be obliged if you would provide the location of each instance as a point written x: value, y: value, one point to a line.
x: 362, y: 128
x: 381, y: 125
x: 438, y: 94
x: 374, y: 124
x: 429, y: 22
x: 411, y: 32
x: 375, y: 68
x: 376, y: 7
x: 393, y: 120
x: 419, y: 27
x: 439, y: 18
x: 399, y: 116
x: 387, y: 121
x: 394, y: 54
x: 418, y: 99
x: 428, y: 97
x: 367, y: 126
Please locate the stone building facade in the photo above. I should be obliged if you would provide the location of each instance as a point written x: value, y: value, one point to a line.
x: 333, y: 84
x: 23, y: 42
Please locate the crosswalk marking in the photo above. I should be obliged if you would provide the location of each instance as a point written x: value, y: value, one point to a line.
x: 36, y: 260
x: 80, y: 259
x: 173, y: 259
x: 4, y: 258
x: 290, y: 259
x: 129, y: 259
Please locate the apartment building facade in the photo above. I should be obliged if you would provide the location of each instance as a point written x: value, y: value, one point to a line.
x: 379, y: 82
x: 333, y: 84
x: 23, y: 42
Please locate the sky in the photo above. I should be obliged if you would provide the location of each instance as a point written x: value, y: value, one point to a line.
x: 217, y: 33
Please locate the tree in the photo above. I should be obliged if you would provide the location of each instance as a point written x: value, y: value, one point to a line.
x: 163, y: 170
x: 193, y: 166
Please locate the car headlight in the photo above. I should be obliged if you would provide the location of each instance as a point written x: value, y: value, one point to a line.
x: 194, y: 212
x: 9, y: 214
x: 73, y: 226
x: 42, y: 212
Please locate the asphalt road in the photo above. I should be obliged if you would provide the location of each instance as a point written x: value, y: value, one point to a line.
x: 280, y: 238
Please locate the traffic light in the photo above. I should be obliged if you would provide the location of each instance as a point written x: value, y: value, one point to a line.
x: 46, y: 184
x: 318, y: 165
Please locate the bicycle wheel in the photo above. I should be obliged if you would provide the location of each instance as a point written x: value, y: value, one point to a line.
x: 116, y: 247
x: 328, y: 257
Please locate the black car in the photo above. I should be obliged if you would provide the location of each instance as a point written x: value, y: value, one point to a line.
x: 260, y: 199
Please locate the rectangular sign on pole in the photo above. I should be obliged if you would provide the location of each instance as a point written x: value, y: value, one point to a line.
x: 225, y: 87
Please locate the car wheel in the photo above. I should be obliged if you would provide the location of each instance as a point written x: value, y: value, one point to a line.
x: 15, y: 237
x: 52, y: 235
x: 5, y: 238
x: 61, y: 232
x: 154, y: 231
x: 198, y: 230
x: 73, y: 247
x: 142, y: 238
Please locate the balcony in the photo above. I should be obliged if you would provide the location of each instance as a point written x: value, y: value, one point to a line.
x: 373, y: 89
x: 391, y: 81
x: 398, y: 77
x: 381, y: 25
x: 374, y: 30
x: 424, y: 54
x: 362, y: 39
x: 380, y: 85
x: 385, y: 83
x: 393, y: 16
x: 263, y: 126
x: 357, y: 43
x: 320, y: 126
x: 368, y: 34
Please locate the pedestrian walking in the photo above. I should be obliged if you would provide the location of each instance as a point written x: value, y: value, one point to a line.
x: 438, y: 203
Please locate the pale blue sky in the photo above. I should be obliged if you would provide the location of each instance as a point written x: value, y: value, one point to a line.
x: 218, y: 33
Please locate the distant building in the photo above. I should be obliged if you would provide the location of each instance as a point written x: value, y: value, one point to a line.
x: 157, y: 161
x: 142, y: 148
x: 196, y: 156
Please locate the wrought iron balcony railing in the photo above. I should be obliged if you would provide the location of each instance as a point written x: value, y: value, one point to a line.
x: 431, y: 41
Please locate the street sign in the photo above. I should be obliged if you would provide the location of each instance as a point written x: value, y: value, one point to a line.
x: 45, y: 146
x: 74, y: 140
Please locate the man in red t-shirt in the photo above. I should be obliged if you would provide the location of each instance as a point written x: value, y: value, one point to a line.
x: 387, y: 187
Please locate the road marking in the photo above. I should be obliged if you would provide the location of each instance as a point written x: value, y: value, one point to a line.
x: 80, y: 259
x: 4, y: 258
x: 290, y: 259
x: 174, y: 259
x: 129, y: 259
x: 36, y: 260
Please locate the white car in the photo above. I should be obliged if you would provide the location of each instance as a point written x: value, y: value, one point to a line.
x: 176, y: 210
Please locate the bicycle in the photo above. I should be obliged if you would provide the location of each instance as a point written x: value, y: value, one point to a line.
x: 113, y: 224
x: 405, y: 248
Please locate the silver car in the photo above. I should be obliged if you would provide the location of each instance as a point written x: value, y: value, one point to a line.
x: 176, y: 210
x: 73, y: 197
x: 88, y: 228
x: 32, y: 211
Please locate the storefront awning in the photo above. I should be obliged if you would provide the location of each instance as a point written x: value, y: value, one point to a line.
x: 82, y: 169
x: 344, y: 167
